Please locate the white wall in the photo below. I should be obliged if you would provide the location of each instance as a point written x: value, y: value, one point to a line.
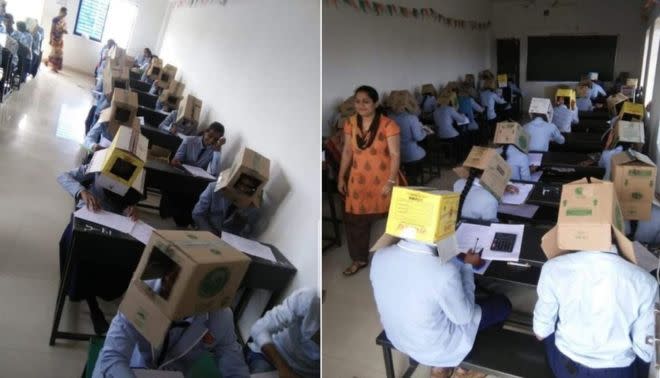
x: 255, y: 64
x: 391, y: 52
x: 519, y: 19
x: 82, y: 54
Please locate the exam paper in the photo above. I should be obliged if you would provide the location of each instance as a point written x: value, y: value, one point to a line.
x: 645, y: 259
x: 467, y: 234
x: 198, y: 172
x: 105, y: 143
x: 517, y: 229
x: 520, y: 197
x: 535, y: 158
x: 524, y: 211
x: 106, y: 218
x: 250, y: 247
x: 142, y: 232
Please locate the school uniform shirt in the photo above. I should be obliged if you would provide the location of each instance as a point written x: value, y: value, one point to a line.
x: 648, y: 231
x: 146, y: 78
x: 444, y: 117
x: 467, y: 105
x: 25, y: 39
x: 98, y: 134
x: 479, y: 203
x: 488, y: 100
x: 215, y: 213
x: 596, y: 90
x: 519, y: 163
x: 606, y: 159
x: 193, y: 152
x: 142, y: 60
x: 212, y: 332
x: 37, y: 40
x: 102, y: 103
x: 411, y: 133
x: 541, y: 133
x: 183, y: 127
x: 429, y: 104
x: 584, y: 104
x: 430, y: 315
x: 290, y: 327
x: 72, y: 182
x: 599, y: 306
x: 563, y: 118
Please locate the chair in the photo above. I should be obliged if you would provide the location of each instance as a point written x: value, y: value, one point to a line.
x: 387, y: 346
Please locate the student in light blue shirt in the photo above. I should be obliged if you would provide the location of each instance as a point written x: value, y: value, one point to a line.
x: 478, y: 203
x: 596, y: 91
x: 583, y: 101
x: 25, y: 39
x: 488, y: 99
x: 38, y: 37
x: 541, y: 132
x: 594, y: 314
x: 606, y: 158
x: 214, y: 213
x: 444, y: 117
x: 563, y: 116
x: 467, y: 106
x: 287, y: 337
x: 428, y: 102
x: 184, y: 127
x: 100, y: 136
x: 518, y: 161
x: 142, y: 62
x: 648, y: 231
x: 145, y: 77
x: 404, y: 107
x: 103, y: 57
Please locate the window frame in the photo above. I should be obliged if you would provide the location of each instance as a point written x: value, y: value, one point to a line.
x: 105, y: 19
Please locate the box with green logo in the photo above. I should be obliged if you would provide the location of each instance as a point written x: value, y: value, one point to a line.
x: 633, y: 175
x: 181, y: 273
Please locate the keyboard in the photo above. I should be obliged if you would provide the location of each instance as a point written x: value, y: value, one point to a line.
x: 503, y: 242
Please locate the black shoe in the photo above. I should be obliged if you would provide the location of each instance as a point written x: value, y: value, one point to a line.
x: 98, y: 318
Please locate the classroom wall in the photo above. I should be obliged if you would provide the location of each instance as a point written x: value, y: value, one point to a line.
x: 82, y: 54
x: 255, y: 64
x: 519, y: 19
x: 654, y: 107
x: 398, y: 53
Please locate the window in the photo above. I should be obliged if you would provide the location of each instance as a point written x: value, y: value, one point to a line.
x: 100, y: 20
x: 652, y: 63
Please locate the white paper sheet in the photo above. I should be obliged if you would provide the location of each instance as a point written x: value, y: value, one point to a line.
x: 536, y: 176
x: 467, y: 234
x: 645, y: 259
x: 525, y: 211
x: 517, y: 229
x: 250, y: 247
x: 105, y: 143
x: 142, y: 232
x: 535, y: 158
x: 141, y: 119
x: 106, y: 218
x: 198, y: 172
x: 520, y: 197
x: 148, y: 373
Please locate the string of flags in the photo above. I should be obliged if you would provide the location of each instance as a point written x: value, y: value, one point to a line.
x: 378, y: 8
x: 196, y: 3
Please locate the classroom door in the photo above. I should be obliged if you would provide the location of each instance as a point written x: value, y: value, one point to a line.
x: 508, y: 57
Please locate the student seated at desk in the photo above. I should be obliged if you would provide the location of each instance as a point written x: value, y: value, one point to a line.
x: 540, y: 130
x: 613, y: 145
x: 100, y: 136
x: 467, y: 105
x: 646, y: 231
x: 288, y: 337
x: 214, y: 212
x: 145, y: 77
x: 25, y: 39
x: 583, y: 101
x: 404, y: 109
x: 184, y: 127
x: 143, y: 61
x: 103, y: 57
x: 445, y: 116
x: 595, y: 90
x: 88, y: 279
x: 428, y: 103
x: 488, y: 99
x: 513, y: 151
x: 186, y: 341
x: 565, y: 112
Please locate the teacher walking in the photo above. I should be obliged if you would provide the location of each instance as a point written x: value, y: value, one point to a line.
x: 57, y: 31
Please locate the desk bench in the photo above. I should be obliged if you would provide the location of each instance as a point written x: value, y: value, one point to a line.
x: 579, y: 142
x: 137, y: 84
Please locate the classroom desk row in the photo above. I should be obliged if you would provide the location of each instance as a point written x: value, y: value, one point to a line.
x: 579, y: 142
x: 156, y: 136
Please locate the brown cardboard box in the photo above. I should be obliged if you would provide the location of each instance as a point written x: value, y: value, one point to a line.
x: 512, y: 133
x: 172, y: 96
x: 189, y: 109
x: 633, y: 175
x: 629, y: 131
x: 245, y: 180
x: 632, y: 82
x: 588, y: 215
x: 123, y: 109
x: 429, y: 89
x: 115, y: 78
x: 496, y: 171
x: 615, y: 99
x: 155, y: 69
x: 197, y: 272
x: 542, y: 106
x: 167, y: 76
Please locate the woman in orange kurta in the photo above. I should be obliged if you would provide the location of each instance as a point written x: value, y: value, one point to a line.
x: 371, y: 152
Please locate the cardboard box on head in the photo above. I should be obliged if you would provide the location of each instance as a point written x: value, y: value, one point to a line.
x: 631, y: 110
x: 589, y: 214
x: 632, y: 82
x: 129, y: 61
x: 496, y: 172
x: 541, y: 107
x: 121, y: 165
x: 189, y: 109
x: 31, y: 24
x: 593, y: 76
x: 172, y: 96
x: 166, y: 76
x: 512, y: 133
x: 117, y: 56
x: 244, y: 182
x: 123, y: 108
x: 429, y: 89
x: 582, y: 91
x: 627, y: 132
x: 197, y: 272
x: 115, y: 78
x: 633, y: 175
x: 155, y: 68
x: 566, y: 93
x: 427, y: 215
x: 614, y: 100
x: 502, y: 81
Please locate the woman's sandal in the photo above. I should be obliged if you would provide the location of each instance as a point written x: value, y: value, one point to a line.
x: 354, y: 268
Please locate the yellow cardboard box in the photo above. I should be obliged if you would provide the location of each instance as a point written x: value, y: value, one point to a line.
x: 634, y: 110
x: 502, y: 81
x: 566, y: 93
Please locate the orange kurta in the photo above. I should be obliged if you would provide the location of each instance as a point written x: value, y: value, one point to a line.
x: 370, y: 170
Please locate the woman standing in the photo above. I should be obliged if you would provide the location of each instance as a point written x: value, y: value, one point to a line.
x: 57, y: 31
x: 371, y: 151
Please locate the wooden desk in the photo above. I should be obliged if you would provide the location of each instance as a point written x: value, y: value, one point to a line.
x: 145, y: 99
x: 161, y: 175
x: 139, y: 85
x: 595, y: 114
x: 579, y: 142
x: 161, y: 138
x: 151, y: 116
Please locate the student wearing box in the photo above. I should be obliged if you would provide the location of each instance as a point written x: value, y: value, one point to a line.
x: 404, y: 108
x: 565, y: 112
x: 215, y: 213
x: 467, y: 106
x: 184, y: 127
x: 540, y: 130
x: 445, y: 116
x: 488, y: 99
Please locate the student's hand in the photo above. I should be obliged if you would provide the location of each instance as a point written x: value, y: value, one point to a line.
x: 132, y: 212
x: 511, y: 189
x: 341, y: 186
x: 175, y: 163
x: 533, y: 168
x: 218, y: 145
x: 472, y: 258
x: 91, y: 201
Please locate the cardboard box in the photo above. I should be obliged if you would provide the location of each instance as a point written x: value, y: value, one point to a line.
x: 123, y: 109
x: 541, y: 106
x: 172, y: 96
x: 629, y: 132
x: 588, y: 215
x: 633, y: 175
x: 155, y: 68
x: 636, y: 111
x: 428, y: 89
x: 496, y: 171
x: 129, y: 61
x: 166, y: 76
x: 566, y: 93
x: 582, y: 91
x: 115, y: 78
x: 121, y: 164
x: 502, y: 81
x: 593, y: 76
x: 512, y: 133
x: 196, y: 272
x: 245, y: 180
x: 632, y: 82
x: 189, y: 109
x: 615, y: 99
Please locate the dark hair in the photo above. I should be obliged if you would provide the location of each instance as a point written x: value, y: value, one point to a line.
x: 364, y: 141
x: 466, y: 189
x: 111, y: 42
x: 217, y: 127
x: 20, y: 25
x: 9, y: 16
x: 64, y: 10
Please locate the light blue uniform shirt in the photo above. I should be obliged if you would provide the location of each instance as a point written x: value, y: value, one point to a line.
x: 444, y: 117
x: 648, y: 232
x: 596, y: 90
x: 98, y: 131
x: 563, y: 118
x: 584, y: 104
x: 519, y: 163
x: 25, y: 39
x: 411, y: 133
x: 599, y: 306
x: 431, y: 314
x: 126, y: 348
x: 184, y: 127
x: 38, y: 38
x: 72, y: 180
x: 479, y: 203
x: 211, y: 214
x: 467, y: 105
x: 606, y: 159
x: 488, y: 100
x: 192, y: 152
x: 429, y: 104
x: 290, y: 327
x: 541, y: 133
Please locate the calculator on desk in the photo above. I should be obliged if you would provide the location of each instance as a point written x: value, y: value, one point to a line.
x: 503, y: 242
